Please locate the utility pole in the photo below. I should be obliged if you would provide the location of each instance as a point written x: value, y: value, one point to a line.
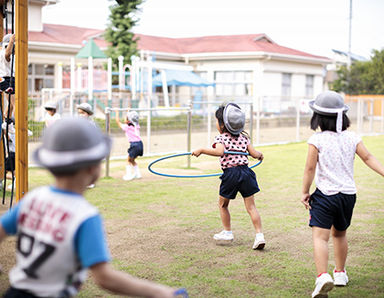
x: 350, y: 34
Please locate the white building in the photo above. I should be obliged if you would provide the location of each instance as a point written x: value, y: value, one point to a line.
x: 243, y: 66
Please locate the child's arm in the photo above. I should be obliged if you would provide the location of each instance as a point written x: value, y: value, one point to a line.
x: 309, y: 174
x: 369, y: 159
x: 217, y: 151
x: 254, y: 153
x: 8, y: 50
x: 122, y: 283
x: 118, y: 120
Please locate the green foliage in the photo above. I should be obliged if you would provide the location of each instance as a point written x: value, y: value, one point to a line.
x: 121, y: 20
x: 362, y: 77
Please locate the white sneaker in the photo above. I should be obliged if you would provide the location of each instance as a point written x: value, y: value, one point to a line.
x: 324, y: 283
x: 224, y: 235
x: 91, y: 186
x: 138, y: 176
x: 340, y: 278
x: 259, y: 241
x: 128, y: 177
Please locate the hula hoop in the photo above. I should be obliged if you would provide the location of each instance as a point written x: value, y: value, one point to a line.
x: 192, y: 176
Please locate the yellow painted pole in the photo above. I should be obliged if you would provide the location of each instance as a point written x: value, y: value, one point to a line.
x: 21, y: 97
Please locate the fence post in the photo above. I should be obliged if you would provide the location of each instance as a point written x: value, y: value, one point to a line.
x: 107, y: 130
x: 382, y: 115
x: 209, y: 119
x: 251, y: 122
x: 258, y: 99
x: 297, y: 120
x: 371, y: 116
x: 189, y: 134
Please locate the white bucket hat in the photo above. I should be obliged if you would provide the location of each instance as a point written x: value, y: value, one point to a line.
x: 330, y: 103
x: 6, y: 39
x: 71, y: 144
x: 133, y: 117
x: 50, y: 105
x: 86, y: 107
x: 234, y: 118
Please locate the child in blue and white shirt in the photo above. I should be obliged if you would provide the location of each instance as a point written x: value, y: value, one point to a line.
x: 59, y: 234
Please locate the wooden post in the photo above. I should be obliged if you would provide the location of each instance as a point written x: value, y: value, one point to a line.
x: 21, y: 97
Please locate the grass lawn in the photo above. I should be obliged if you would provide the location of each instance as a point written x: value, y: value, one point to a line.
x: 161, y: 229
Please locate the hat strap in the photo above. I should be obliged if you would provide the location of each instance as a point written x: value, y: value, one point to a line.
x: 339, y: 112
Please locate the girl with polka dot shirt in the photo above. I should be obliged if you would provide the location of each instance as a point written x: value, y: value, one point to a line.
x: 237, y: 176
x: 330, y: 161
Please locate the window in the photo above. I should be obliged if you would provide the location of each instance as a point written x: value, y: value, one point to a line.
x: 233, y: 83
x: 309, y: 79
x: 40, y: 76
x: 286, y: 86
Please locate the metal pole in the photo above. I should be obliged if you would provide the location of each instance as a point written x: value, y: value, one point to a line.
x: 107, y: 130
x: 258, y: 120
x: 209, y: 120
x: 189, y: 134
x: 251, y: 123
x: 297, y: 120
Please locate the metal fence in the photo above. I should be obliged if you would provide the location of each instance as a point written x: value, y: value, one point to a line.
x: 269, y: 120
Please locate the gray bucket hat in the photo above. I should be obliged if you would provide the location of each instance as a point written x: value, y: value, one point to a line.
x: 234, y: 118
x: 86, y: 107
x: 71, y: 144
x: 330, y: 103
x: 133, y: 117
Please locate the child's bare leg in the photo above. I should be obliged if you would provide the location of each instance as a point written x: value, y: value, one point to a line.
x: 224, y: 213
x: 132, y: 161
x: 340, y: 246
x: 249, y: 203
x: 320, y: 239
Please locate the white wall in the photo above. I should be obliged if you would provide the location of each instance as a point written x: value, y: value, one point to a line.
x: 34, y: 18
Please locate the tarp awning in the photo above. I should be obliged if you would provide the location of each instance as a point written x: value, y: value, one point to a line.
x: 181, y: 78
x: 91, y: 50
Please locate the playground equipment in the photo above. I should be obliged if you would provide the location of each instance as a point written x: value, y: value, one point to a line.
x: 19, y: 21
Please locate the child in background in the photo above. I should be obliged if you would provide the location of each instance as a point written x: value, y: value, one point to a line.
x: 51, y: 115
x: 237, y: 176
x: 59, y: 234
x: 85, y: 110
x: 131, y: 128
x: 331, y: 155
x: 11, y: 148
x: 7, y: 79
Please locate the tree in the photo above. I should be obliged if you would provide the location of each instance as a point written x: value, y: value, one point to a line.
x: 362, y: 77
x: 121, y: 20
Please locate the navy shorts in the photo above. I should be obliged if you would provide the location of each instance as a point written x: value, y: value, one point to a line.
x: 10, y: 162
x: 6, y: 83
x: 335, y: 210
x: 136, y: 149
x: 238, y: 179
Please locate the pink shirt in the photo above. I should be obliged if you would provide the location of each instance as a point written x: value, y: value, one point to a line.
x: 334, y: 170
x: 132, y: 132
x: 231, y: 143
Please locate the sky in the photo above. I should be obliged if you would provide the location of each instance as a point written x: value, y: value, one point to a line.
x: 313, y: 26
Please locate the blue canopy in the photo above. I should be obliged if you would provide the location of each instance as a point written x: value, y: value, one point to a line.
x: 181, y: 78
